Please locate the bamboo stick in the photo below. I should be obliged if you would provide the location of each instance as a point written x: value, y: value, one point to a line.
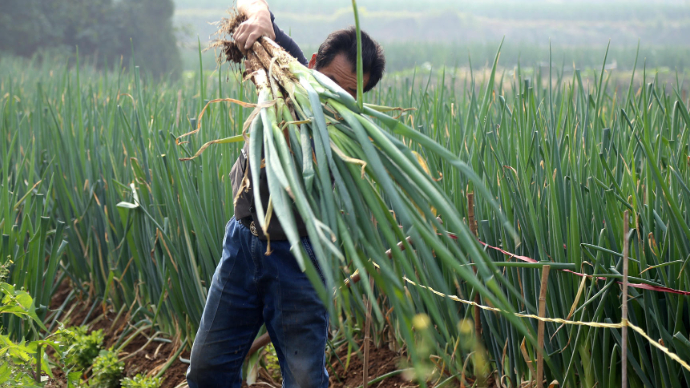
x: 39, y: 356
x: 624, y: 315
x: 355, y: 277
x: 473, y: 228
x: 259, y: 343
x: 540, y: 332
x: 367, y: 327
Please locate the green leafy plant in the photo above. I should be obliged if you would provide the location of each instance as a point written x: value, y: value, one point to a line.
x: 80, y: 347
x: 74, y: 380
x: 265, y: 359
x: 140, y: 381
x: 270, y: 362
x: 17, y: 360
x: 107, y: 370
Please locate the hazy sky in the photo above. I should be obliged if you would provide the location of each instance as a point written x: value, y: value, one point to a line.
x: 299, y: 5
x: 571, y: 22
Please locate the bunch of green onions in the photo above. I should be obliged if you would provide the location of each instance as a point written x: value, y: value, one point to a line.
x: 360, y: 191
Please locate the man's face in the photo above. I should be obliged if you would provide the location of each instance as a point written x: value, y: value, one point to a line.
x: 340, y: 71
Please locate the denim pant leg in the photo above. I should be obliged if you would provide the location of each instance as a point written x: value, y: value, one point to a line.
x: 232, y: 315
x: 295, y: 317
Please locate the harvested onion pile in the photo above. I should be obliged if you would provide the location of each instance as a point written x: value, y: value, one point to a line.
x: 358, y: 188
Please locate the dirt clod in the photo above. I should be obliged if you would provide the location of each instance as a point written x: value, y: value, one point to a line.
x: 229, y: 50
x: 381, y: 361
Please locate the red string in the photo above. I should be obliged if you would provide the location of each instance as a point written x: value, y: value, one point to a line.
x: 526, y: 259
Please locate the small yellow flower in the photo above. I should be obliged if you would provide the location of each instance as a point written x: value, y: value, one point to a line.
x: 421, y: 321
x: 466, y: 326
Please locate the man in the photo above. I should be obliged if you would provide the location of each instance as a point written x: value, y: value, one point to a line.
x: 250, y: 288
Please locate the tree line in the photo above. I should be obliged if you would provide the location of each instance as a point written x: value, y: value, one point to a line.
x: 108, y: 30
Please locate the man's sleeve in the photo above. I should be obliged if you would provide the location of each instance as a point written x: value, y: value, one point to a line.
x: 286, y: 42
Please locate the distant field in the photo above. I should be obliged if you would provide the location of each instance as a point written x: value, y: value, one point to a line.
x: 401, y: 57
x: 444, y: 32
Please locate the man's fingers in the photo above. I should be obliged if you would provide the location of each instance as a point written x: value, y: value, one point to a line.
x: 253, y: 36
x: 239, y: 33
x: 249, y: 32
x: 270, y: 33
x: 240, y: 27
x: 240, y: 36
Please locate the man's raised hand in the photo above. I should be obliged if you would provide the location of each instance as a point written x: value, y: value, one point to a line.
x: 258, y: 23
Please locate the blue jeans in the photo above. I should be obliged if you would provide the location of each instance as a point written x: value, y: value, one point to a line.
x: 248, y: 290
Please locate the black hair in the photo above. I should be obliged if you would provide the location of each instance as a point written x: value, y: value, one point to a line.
x: 345, y: 41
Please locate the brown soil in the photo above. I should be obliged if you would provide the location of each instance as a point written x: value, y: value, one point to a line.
x: 229, y: 25
x: 149, y: 358
x: 154, y: 355
x: 230, y: 52
x: 381, y: 361
x: 59, y: 298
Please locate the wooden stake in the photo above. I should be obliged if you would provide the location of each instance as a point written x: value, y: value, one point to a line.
x: 39, y: 356
x: 473, y: 228
x: 470, y: 213
x: 355, y: 278
x: 259, y: 343
x: 624, y: 315
x: 540, y: 332
x: 367, y: 326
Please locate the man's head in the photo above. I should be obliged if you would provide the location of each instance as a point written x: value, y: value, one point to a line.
x: 337, y: 59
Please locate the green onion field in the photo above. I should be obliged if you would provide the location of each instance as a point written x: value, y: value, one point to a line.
x: 94, y: 200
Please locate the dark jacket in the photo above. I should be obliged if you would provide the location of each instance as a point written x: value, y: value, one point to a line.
x: 244, y: 205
